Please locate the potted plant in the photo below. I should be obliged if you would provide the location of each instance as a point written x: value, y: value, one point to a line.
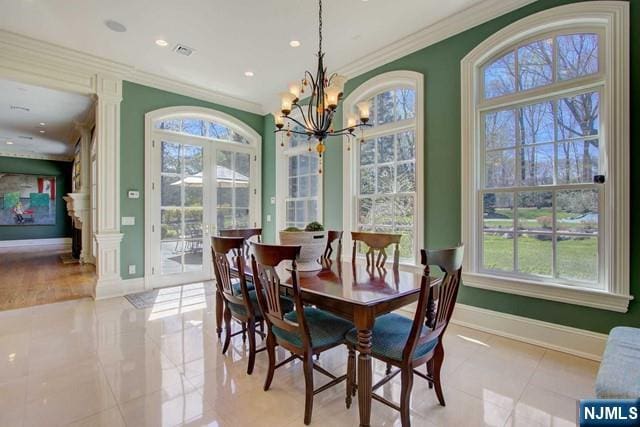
x: 313, y: 240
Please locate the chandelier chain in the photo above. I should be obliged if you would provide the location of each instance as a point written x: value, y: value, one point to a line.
x: 320, y: 27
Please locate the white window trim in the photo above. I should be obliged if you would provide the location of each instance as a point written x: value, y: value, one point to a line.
x: 152, y: 165
x: 371, y: 87
x: 282, y: 175
x: 612, y: 17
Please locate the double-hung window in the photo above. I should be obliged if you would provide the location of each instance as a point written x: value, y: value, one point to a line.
x: 383, y: 168
x: 300, y: 182
x: 543, y: 162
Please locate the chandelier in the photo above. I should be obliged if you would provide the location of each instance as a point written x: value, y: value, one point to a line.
x: 316, y: 116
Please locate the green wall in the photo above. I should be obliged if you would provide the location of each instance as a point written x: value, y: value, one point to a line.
x: 440, y: 64
x: 62, y: 172
x: 137, y: 100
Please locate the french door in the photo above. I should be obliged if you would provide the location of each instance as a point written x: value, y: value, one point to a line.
x: 199, y: 186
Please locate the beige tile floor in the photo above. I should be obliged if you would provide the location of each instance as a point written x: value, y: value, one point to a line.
x: 105, y: 363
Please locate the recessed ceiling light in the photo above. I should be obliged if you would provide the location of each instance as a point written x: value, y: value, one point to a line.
x: 41, y: 131
x: 42, y: 123
x: 294, y: 43
x: 9, y: 142
x: 162, y: 43
x: 115, y: 26
x: 248, y: 73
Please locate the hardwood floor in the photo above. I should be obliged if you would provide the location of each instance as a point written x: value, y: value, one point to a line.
x: 35, y: 275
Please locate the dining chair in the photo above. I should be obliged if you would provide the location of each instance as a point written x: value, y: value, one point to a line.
x: 332, y: 236
x: 245, y: 233
x: 407, y: 344
x: 305, y: 332
x: 240, y: 302
x: 376, y: 242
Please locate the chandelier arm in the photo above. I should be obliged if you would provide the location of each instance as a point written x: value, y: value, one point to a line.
x: 297, y: 122
x: 310, y: 115
x: 297, y: 132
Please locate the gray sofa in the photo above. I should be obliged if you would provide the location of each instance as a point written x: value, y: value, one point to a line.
x: 619, y: 373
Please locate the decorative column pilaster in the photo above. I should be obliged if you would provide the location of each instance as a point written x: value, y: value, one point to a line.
x: 84, y: 129
x: 107, y: 231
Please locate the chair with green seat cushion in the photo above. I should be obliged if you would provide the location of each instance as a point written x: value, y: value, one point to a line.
x: 239, y: 302
x: 287, y: 305
x: 390, y: 336
x: 409, y: 343
x: 305, y: 332
x: 325, y: 329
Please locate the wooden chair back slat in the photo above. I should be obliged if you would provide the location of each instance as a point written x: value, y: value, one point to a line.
x: 264, y: 260
x: 377, y: 242
x: 436, y: 303
x: 245, y: 233
x: 222, y: 249
x: 332, y: 236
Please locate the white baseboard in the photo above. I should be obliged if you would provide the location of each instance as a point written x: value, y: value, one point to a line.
x: 64, y: 241
x: 119, y: 288
x: 578, y: 342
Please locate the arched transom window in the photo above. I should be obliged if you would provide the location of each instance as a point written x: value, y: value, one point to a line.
x: 541, y: 151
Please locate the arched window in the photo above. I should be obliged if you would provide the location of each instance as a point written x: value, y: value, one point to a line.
x: 202, y: 175
x: 544, y: 182
x: 383, y: 175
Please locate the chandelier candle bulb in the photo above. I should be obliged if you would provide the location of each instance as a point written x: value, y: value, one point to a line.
x: 287, y: 102
x: 332, y: 93
x: 294, y: 89
x: 351, y: 121
x: 278, y: 119
x: 363, y: 107
x: 338, y: 81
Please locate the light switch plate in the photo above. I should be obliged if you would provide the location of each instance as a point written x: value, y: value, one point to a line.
x: 128, y: 220
x: 268, y: 218
x: 133, y: 194
x: 132, y: 269
x: 273, y: 200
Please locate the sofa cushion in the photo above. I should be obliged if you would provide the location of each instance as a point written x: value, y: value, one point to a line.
x: 619, y: 373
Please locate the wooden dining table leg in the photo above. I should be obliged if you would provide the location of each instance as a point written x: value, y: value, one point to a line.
x: 219, y: 311
x: 364, y: 324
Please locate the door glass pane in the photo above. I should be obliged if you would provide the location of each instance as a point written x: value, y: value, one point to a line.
x: 233, y: 175
x: 181, y: 200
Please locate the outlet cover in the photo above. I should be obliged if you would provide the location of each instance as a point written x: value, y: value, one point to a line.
x: 132, y: 269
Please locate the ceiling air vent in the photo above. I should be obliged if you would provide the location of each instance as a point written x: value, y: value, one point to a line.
x: 17, y: 107
x: 25, y: 137
x: 183, y: 50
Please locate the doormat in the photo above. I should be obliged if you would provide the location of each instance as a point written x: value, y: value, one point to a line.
x: 170, y: 295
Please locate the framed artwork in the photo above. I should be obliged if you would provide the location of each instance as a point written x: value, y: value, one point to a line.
x: 27, y: 199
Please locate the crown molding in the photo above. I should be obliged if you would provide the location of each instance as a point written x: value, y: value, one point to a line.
x: 194, y: 91
x: 37, y: 156
x: 468, y: 18
x: 28, y: 52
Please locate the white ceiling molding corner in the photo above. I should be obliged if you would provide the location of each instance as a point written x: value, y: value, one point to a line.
x: 37, y: 156
x: 475, y: 15
x: 187, y: 89
x: 38, y: 53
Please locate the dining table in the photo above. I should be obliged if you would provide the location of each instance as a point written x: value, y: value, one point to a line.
x: 356, y: 292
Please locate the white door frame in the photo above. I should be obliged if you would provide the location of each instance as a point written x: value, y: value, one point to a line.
x: 152, y: 171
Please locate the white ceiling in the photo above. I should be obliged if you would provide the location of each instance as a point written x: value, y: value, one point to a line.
x: 229, y: 36
x: 58, y: 110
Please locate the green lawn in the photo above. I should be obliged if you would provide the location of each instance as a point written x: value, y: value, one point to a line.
x: 577, y: 258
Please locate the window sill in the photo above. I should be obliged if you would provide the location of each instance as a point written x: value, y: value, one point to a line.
x: 553, y: 292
